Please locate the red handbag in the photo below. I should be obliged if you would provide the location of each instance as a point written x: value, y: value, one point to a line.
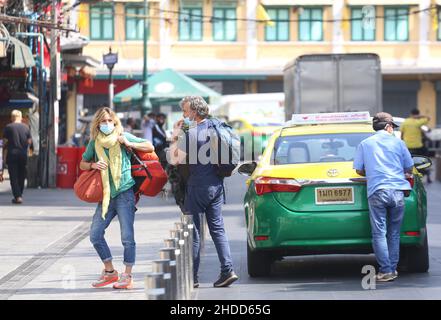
x: 147, y: 156
x: 89, y: 186
x: 150, y: 178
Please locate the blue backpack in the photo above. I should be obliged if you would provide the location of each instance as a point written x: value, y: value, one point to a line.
x: 228, y: 147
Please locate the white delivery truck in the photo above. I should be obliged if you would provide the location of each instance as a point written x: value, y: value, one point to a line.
x: 318, y: 83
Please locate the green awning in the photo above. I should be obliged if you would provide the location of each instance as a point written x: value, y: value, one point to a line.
x: 167, y: 86
x: 23, y: 57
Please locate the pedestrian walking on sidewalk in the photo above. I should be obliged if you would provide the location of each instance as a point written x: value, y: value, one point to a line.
x: 205, y: 191
x: 385, y: 161
x: 148, y: 123
x: 412, y: 135
x: 160, y: 139
x: 107, y: 152
x: 17, y: 139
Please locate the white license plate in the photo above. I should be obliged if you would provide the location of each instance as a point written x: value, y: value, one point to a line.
x: 334, y: 195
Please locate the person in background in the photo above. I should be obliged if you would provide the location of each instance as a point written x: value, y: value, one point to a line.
x: 16, y: 142
x: 147, y: 125
x: 412, y: 135
x: 130, y: 125
x: 160, y: 139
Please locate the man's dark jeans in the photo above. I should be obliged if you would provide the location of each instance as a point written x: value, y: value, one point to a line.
x: 208, y: 200
x: 17, y: 173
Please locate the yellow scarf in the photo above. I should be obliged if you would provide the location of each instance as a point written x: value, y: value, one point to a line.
x: 114, y: 163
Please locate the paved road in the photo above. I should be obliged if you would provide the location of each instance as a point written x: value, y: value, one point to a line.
x: 45, y: 253
x: 317, y: 277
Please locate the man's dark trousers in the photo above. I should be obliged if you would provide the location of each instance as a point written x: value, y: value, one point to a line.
x: 17, y: 172
x: 208, y: 200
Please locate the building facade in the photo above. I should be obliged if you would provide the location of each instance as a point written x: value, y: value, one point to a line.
x: 225, y: 45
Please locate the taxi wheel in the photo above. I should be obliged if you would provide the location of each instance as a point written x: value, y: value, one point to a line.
x: 416, y: 259
x: 259, y: 263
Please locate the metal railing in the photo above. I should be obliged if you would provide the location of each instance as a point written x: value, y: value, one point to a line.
x: 172, y: 274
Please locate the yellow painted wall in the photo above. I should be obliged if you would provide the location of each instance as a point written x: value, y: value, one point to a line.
x: 71, y: 109
x: 427, y: 101
x: 290, y: 51
x: 195, y: 50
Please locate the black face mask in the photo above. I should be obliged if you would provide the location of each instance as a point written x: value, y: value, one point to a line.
x: 379, y: 125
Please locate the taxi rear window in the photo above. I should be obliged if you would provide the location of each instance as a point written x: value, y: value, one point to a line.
x: 316, y: 148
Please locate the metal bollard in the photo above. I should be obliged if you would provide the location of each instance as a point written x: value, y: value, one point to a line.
x: 155, y: 286
x: 172, y: 254
x: 189, y: 227
x: 181, y: 263
x: 184, y: 259
x: 171, y: 242
x: 163, y: 266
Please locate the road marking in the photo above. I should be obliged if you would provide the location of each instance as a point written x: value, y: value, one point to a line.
x: 30, y: 269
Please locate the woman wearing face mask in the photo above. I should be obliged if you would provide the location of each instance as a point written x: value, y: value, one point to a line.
x: 107, y: 152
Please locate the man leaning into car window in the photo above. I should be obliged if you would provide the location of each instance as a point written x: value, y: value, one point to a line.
x: 386, y: 162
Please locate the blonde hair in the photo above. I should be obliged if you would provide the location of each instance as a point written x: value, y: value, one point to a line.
x: 16, y: 114
x: 98, y: 117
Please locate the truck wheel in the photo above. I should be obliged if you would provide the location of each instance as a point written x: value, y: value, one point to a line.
x: 259, y: 263
x: 416, y: 259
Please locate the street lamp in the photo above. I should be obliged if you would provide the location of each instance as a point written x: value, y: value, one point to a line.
x: 110, y: 59
x: 145, y: 104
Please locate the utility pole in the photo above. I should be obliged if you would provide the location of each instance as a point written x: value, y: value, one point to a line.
x: 145, y: 105
x: 55, y: 96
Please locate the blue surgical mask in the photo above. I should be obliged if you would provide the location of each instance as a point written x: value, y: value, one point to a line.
x: 189, y: 122
x: 107, y: 128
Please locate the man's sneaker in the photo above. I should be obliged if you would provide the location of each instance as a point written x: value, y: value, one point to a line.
x: 225, y: 279
x: 195, y: 282
x: 385, y: 277
x: 125, y: 282
x: 395, y: 274
x: 106, y: 279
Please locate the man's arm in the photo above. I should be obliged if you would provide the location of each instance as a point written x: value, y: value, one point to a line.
x: 178, y: 143
x: 407, y: 159
x: 4, y: 155
x: 359, y: 162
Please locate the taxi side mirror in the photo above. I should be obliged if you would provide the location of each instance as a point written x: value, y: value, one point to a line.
x: 247, y: 168
x: 421, y: 162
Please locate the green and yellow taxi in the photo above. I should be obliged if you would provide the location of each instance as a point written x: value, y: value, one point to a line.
x: 304, y: 197
x: 254, y: 134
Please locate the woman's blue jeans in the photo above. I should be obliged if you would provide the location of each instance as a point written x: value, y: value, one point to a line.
x: 123, y: 206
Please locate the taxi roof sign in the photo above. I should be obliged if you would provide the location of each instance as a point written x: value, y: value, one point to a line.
x: 335, y: 117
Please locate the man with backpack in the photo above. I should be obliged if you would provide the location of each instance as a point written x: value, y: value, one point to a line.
x: 192, y: 142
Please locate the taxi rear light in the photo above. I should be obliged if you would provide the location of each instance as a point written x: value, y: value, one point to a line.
x: 268, y: 185
x: 412, y: 233
x: 257, y: 134
x: 411, y: 181
x: 261, y: 238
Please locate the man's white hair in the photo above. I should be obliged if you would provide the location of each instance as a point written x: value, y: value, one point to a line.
x: 196, y: 103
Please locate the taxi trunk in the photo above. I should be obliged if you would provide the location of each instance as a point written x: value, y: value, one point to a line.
x: 309, y: 214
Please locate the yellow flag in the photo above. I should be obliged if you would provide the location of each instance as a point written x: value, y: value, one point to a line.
x: 435, y: 18
x: 82, y: 17
x: 262, y: 15
x: 345, y: 23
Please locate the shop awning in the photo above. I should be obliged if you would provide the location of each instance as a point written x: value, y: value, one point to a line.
x: 79, y: 60
x: 22, y: 57
x: 167, y: 86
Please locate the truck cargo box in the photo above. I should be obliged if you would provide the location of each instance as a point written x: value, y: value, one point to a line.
x: 333, y: 83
